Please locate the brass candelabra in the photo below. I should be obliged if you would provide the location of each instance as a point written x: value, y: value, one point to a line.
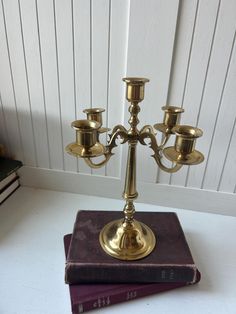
x: 127, y: 238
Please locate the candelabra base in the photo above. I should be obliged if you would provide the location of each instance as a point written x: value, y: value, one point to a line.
x: 127, y: 241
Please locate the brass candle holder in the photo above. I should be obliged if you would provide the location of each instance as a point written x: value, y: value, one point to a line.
x: 127, y: 238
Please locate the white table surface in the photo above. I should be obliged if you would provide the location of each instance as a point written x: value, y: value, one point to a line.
x: 32, y: 225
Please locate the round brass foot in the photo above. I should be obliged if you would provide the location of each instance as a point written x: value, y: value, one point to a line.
x: 127, y: 241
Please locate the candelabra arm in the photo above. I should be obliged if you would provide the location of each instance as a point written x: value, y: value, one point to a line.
x: 173, y: 169
x: 164, y: 140
x: 147, y: 132
x: 118, y: 131
x: 91, y: 164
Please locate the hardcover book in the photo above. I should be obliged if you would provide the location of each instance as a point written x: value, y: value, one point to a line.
x: 9, y: 189
x: 171, y: 260
x: 8, y: 166
x: 86, y: 297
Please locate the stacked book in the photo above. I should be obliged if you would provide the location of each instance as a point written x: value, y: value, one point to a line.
x: 97, y: 280
x: 9, y: 180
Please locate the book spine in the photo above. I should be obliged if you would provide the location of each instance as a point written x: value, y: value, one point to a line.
x: 9, y: 190
x: 99, y: 302
x: 76, y: 274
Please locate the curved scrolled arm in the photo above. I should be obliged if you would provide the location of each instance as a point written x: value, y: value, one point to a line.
x: 173, y: 169
x: 91, y: 164
x: 118, y: 131
x: 147, y: 132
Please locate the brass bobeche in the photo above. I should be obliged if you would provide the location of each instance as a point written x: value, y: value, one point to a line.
x: 127, y: 238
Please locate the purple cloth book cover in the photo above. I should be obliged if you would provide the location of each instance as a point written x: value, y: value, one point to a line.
x: 85, y: 297
x: 170, y: 261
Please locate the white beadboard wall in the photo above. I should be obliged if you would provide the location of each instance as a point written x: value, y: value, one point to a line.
x: 58, y: 57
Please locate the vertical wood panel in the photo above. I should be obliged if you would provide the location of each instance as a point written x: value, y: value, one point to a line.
x: 117, y: 69
x: 9, y: 112
x: 188, y: 12
x: 100, y: 60
x: 19, y: 77
x: 81, y: 20
x: 58, y: 57
x: 64, y: 52
x: 226, y: 117
x: 227, y: 180
x: 4, y: 139
x: 29, y: 29
x: 211, y: 101
x: 203, y: 38
x: 47, y: 46
x: 149, y: 55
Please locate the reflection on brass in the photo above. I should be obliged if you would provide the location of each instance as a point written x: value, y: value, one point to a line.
x: 85, y: 152
x: 86, y: 144
x: 127, y: 241
x: 183, y: 152
x: 171, y: 119
x: 127, y: 238
x: 135, y: 88
x: 96, y: 115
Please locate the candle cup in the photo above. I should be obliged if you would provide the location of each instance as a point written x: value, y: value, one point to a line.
x: 171, y: 116
x: 135, y: 88
x: 171, y: 119
x: 94, y: 114
x: 86, y: 132
x: 184, y: 151
x: 186, y: 138
x: 86, y: 144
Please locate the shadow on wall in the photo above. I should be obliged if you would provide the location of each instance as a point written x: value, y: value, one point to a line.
x: 38, y: 139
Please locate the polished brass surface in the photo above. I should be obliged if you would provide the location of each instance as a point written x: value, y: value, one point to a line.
x: 85, y: 152
x: 184, y: 151
x: 135, y: 88
x: 95, y: 114
x: 171, y: 118
x: 86, y: 132
x: 193, y: 158
x: 128, y: 239
x: 86, y: 144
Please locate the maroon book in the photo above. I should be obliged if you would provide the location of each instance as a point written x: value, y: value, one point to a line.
x: 170, y: 261
x: 86, y: 297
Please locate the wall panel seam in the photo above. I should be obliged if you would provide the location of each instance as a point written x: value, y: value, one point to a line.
x: 108, y: 70
x: 226, y: 155
x: 58, y: 82
x: 12, y: 82
x: 218, y: 111
x: 205, y: 79
x: 27, y: 84
x: 43, y: 84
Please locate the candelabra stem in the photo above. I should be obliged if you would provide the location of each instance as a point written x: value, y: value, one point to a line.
x: 127, y: 238
x: 130, y: 193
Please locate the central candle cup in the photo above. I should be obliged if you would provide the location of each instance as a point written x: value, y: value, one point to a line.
x: 135, y: 88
